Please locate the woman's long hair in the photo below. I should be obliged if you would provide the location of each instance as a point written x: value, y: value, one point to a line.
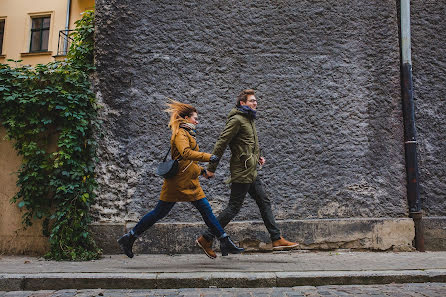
x: 178, y: 111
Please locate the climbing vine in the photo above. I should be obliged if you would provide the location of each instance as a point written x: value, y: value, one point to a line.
x: 49, y: 112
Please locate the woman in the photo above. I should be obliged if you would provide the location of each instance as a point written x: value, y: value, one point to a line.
x: 184, y: 186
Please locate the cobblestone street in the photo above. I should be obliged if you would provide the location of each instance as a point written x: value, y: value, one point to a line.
x: 393, y: 290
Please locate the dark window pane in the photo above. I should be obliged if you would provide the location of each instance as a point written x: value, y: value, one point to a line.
x: 2, y: 29
x: 37, y: 23
x: 45, y: 36
x: 46, y: 22
x: 40, y: 34
x: 35, y: 41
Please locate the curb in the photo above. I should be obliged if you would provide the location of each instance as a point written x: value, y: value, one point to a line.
x: 60, y: 281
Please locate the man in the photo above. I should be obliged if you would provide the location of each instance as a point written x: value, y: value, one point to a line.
x: 241, y: 136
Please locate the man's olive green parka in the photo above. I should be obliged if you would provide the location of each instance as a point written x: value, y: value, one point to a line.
x: 241, y: 136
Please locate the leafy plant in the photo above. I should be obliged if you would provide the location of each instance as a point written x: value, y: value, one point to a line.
x: 50, y: 113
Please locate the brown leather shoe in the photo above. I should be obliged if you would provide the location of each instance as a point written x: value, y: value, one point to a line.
x: 283, y: 245
x: 206, y: 246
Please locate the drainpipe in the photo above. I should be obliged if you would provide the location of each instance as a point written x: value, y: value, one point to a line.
x: 67, y: 26
x: 413, y: 191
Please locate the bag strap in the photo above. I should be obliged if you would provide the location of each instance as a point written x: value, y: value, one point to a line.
x: 165, y: 157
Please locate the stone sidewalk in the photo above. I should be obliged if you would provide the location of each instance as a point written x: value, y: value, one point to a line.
x: 390, y: 290
x: 278, y: 269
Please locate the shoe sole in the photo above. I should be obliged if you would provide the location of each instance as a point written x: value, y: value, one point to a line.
x: 285, y: 247
x: 199, y: 244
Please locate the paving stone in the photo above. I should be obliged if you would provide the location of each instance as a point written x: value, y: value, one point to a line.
x: 277, y: 294
x: 89, y: 293
x: 247, y: 294
x: 166, y: 292
x: 295, y: 294
x: 390, y: 290
x: 18, y: 294
x: 191, y: 290
x: 216, y: 294
x: 114, y: 294
x: 65, y: 293
x: 261, y: 293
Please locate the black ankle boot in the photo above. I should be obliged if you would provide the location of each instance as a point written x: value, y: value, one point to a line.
x: 228, y: 247
x: 126, y: 243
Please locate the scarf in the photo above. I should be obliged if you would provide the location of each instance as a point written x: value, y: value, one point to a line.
x: 247, y: 110
x: 189, y: 127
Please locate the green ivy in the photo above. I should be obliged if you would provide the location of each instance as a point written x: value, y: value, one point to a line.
x: 49, y: 112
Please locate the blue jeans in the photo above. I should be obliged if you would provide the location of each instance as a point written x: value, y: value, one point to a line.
x: 163, y: 208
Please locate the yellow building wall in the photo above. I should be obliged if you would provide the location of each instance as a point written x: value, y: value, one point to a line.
x: 18, y: 13
x: 13, y: 239
x: 77, y: 7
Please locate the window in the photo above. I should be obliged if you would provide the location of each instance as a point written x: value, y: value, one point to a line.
x: 40, y: 32
x: 2, y: 33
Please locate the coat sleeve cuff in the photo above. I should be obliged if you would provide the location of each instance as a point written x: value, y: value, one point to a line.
x: 212, y: 167
x: 207, y: 157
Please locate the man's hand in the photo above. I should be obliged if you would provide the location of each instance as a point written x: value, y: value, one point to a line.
x: 209, y: 174
x: 262, y: 161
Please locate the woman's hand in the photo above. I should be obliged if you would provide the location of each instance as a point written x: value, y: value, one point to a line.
x: 262, y: 161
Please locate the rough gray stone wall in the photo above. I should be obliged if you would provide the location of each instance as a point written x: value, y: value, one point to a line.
x: 328, y: 83
x: 429, y: 71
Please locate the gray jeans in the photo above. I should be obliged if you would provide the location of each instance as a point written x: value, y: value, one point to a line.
x: 238, y: 194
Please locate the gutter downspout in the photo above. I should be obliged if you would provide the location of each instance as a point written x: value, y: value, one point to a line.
x: 413, y: 191
x: 67, y: 26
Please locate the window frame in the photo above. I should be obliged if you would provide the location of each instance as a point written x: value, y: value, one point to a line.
x: 41, y: 30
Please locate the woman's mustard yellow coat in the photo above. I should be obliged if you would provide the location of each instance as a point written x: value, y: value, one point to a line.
x: 185, y: 185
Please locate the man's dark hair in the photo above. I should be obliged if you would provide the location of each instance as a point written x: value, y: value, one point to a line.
x: 243, y: 96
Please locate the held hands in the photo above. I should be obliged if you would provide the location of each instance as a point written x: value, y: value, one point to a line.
x: 207, y: 174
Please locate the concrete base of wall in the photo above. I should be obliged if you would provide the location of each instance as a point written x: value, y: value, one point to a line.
x: 324, y: 234
x: 29, y: 242
x: 178, y: 238
x: 435, y: 233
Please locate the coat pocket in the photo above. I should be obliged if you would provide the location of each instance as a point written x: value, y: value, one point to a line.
x: 249, y: 161
x: 195, y: 170
x: 190, y: 169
